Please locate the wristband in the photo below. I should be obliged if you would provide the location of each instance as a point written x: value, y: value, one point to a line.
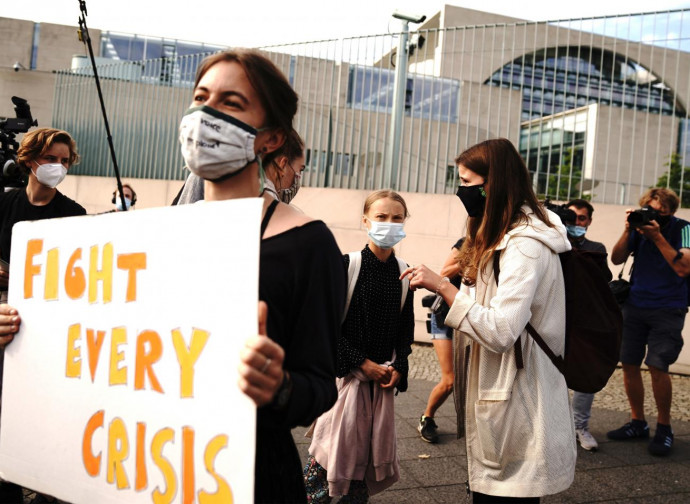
x: 440, y: 284
x: 678, y: 256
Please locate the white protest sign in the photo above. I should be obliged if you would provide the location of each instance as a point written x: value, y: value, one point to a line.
x: 121, y: 385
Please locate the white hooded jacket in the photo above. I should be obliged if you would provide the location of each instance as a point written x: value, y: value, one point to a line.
x: 518, y: 423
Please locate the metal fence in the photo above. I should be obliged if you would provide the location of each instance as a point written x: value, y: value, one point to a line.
x: 596, y: 106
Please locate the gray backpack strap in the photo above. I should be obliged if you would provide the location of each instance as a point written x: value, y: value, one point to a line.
x: 352, y: 276
x: 402, y: 265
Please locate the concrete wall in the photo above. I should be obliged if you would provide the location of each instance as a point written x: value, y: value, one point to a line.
x: 436, y: 222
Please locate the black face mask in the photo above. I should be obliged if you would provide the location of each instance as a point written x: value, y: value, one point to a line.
x: 662, y: 220
x: 473, y: 197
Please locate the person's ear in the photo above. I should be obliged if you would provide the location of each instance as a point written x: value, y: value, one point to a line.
x: 274, y: 141
x: 281, y: 164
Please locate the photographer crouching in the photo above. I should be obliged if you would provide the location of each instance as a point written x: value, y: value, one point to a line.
x: 654, y: 313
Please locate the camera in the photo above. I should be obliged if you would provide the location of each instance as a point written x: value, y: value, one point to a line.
x: 12, y: 175
x: 566, y: 215
x: 412, y: 18
x: 642, y: 216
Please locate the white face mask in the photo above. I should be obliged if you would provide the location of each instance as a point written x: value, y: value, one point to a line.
x: 118, y: 203
x: 50, y: 174
x: 385, y: 234
x: 214, y: 144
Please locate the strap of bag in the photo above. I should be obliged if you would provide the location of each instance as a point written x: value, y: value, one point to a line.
x: 517, y: 347
x: 353, y: 274
x: 402, y: 266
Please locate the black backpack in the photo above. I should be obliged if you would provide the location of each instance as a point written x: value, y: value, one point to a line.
x: 593, y: 324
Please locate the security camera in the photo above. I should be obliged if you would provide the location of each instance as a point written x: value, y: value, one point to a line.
x: 18, y: 66
x: 409, y: 17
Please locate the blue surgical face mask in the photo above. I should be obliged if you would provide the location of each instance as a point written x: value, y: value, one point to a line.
x: 385, y: 234
x: 575, y: 231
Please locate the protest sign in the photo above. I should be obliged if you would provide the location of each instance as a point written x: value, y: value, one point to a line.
x: 121, y: 385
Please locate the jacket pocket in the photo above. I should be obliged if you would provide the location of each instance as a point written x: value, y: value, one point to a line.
x: 493, y: 427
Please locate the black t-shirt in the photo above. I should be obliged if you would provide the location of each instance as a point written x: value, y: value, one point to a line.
x: 302, y: 280
x: 15, y: 207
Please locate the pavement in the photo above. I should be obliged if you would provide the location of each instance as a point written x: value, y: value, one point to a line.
x: 619, y: 472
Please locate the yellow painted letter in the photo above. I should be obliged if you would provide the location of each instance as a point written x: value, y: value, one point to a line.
x: 73, y: 364
x: 118, y: 375
x: 187, y: 357
x: 105, y: 274
x: 118, y: 450
x: 224, y: 493
x: 75, y: 280
x: 159, y: 439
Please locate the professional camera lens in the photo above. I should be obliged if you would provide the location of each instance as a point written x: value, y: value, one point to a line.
x: 642, y: 216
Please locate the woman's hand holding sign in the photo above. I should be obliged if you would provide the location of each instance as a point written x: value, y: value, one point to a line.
x: 261, y: 364
x: 9, y: 324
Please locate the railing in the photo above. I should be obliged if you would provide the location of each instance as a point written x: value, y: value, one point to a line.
x: 598, y: 107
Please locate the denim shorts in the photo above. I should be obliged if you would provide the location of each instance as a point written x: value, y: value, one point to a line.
x: 440, y: 333
x: 654, y: 331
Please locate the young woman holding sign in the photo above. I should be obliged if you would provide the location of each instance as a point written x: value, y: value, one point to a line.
x: 243, y: 106
x: 519, y: 428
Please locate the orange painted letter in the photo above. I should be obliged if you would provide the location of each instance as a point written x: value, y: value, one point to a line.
x: 118, y: 451
x: 92, y: 463
x: 224, y: 493
x: 94, y: 344
x: 187, y: 465
x: 141, y: 478
x: 75, y: 280
x: 145, y: 360
x: 132, y: 263
x: 33, y: 247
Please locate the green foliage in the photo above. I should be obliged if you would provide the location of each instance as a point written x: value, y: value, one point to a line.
x: 564, y: 183
x: 672, y: 179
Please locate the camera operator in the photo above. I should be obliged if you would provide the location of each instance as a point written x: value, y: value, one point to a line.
x: 654, y: 313
x: 44, y: 155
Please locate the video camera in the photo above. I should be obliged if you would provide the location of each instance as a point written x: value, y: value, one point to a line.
x: 567, y: 215
x: 642, y: 216
x: 11, y: 174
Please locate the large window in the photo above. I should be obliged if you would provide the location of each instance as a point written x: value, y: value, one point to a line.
x: 557, y: 79
x: 371, y: 89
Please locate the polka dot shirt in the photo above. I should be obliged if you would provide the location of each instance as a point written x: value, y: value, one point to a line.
x: 375, y: 325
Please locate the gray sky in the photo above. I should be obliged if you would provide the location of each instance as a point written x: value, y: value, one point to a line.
x: 261, y: 22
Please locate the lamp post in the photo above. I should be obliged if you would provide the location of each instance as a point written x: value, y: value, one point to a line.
x: 399, y: 88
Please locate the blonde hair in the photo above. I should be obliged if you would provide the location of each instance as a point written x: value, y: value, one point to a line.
x: 381, y: 194
x: 666, y: 197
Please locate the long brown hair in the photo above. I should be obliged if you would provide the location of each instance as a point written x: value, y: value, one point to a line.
x: 277, y: 97
x: 508, y: 187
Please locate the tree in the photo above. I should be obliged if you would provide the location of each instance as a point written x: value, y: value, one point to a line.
x: 672, y: 179
x: 564, y: 183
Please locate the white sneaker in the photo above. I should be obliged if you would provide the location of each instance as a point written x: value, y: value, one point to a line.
x: 586, y: 439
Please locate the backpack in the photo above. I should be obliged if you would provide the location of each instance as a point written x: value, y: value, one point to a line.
x: 353, y: 275
x: 593, y: 324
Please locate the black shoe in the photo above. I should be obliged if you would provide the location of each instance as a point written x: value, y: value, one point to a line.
x: 427, y: 428
x: 662, y: 442
x: 632, y: 430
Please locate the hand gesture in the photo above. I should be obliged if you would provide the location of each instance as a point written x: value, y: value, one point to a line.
x: 261, y: 364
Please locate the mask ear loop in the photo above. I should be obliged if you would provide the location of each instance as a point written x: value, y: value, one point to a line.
x: 262, y: 174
